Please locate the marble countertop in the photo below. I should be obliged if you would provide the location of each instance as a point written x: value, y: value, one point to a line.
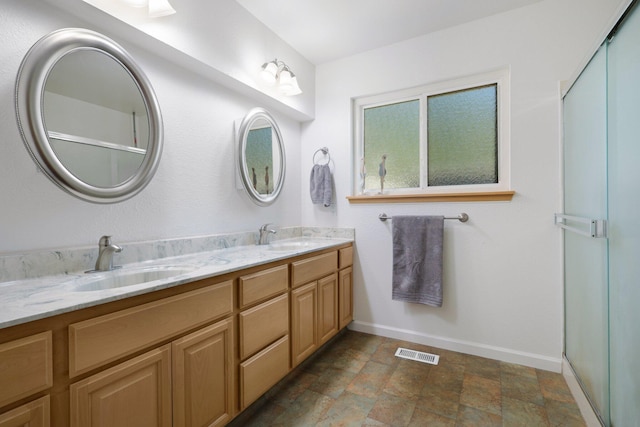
x: 37, y: 298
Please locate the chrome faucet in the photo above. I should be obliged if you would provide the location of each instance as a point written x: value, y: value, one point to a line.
x: 105, y: 254
x: 264, y: 234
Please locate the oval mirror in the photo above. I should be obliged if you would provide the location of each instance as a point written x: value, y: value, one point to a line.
x: 88, y: 116
x: 261, y: 159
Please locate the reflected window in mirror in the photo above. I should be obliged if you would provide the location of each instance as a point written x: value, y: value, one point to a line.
x: 261, y: 157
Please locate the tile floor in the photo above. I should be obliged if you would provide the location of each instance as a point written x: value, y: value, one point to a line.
x: 357, y: 381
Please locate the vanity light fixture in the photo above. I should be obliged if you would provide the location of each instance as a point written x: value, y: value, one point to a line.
x: 279, y: 74
x: 157, y: 8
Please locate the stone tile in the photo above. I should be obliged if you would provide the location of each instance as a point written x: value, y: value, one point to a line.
x: 481, y: 393
x: 472, y: 417
x: 424, y: 418
x: 385, y: 353
x: 563, y: 414
x: 482, y: 367
x: 293, y: 388
x: 374, y: 423
x: 351, y: 360
x: 305, y: 411
x: 392, y: 410
x: 513, y: 369
x: 364, y: 343
x: 332, y: 382
x: 371, y: 380
x: 553, y: 386
x: 350, y: 410
x: 263, y: 417
x: 408, y: 379
x: 357, y: 381
x: 445, y: 378
x: 516, y: 413
x: 522, y: 388
x: 439, y: 401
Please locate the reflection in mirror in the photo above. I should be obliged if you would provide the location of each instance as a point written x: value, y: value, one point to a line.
x: 99, y: 133
x: 261, y: 157
x: 89, y: 116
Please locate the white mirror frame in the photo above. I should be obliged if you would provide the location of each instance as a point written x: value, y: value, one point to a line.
x: 243, y: 133
x: 30, y: 84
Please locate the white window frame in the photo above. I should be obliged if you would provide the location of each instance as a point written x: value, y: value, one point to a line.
x: 499, y: 77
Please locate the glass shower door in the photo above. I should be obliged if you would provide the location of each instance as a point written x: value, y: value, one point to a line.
x: 586, y: 257
x: 624, y: 207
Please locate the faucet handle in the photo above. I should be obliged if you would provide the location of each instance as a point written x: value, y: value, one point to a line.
x: 105, y: 241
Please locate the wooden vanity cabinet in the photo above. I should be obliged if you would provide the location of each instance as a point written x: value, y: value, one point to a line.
x: 32, y: 414
x: 187, y: 382
x: 134, y: 393
x: 26, y: 368
x: 314, y: 305
x: 345, y: 286
x: 304, y: 322
x: 263, y: 331
x: 190, y: 356
x: 203, y: 381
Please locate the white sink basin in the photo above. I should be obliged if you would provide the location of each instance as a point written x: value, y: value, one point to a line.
x: 289, y: 246
x: 128, y: 277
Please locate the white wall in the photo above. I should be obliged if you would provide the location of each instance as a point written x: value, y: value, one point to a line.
x: 193, y: 192
x: 503, y: 293
x: 503, y: 278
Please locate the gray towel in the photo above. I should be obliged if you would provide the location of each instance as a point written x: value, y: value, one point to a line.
x: 417, y: 259
x: 320, y: 185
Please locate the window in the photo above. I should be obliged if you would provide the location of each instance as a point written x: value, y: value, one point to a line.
x: 450, y: 137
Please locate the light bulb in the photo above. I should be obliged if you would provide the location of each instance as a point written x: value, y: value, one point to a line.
x: 135, y: 3
x: 269, y: 72
x: 158, y: 8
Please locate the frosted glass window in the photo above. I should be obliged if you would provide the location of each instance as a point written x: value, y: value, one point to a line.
x: 392, y: 146
x: 462, y: 137
x: 446, y: 137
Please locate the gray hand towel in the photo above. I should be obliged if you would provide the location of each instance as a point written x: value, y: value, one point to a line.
x: 320, y: 185
x: 417, y: 259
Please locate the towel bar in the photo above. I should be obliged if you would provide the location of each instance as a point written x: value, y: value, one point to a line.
x: 463, y: 217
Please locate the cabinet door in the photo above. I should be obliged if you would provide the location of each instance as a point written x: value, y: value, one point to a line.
x: 203, y: 376
x: 32, y: 414
x: 304, y: 303
x: 327, y: 308
x: 136, y: 393
x: 346, y: 296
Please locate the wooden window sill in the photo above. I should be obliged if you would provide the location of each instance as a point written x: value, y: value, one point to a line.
x: 489, y: 196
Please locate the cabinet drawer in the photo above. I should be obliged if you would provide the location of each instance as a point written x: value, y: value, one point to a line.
x: 313, y: 268
x: 264, y: 284
x: 346, y: 257
x: 262, y: 325
x: 32, y: 414
x: 25, y: 367
x: 263, y: 370
x: 103, y: 339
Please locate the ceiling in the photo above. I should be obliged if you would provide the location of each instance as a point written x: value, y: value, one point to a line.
x: 326, y: 30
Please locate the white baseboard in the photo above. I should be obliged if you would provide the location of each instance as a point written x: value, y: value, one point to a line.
x: 586, y: 410
x: 503, y: 354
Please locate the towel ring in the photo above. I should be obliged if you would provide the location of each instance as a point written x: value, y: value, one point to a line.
x: 325, y: 152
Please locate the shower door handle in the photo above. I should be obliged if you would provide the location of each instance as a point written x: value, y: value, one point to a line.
x: 597, y: 227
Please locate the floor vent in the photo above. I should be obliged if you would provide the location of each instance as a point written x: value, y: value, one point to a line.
x: 418, y: 356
